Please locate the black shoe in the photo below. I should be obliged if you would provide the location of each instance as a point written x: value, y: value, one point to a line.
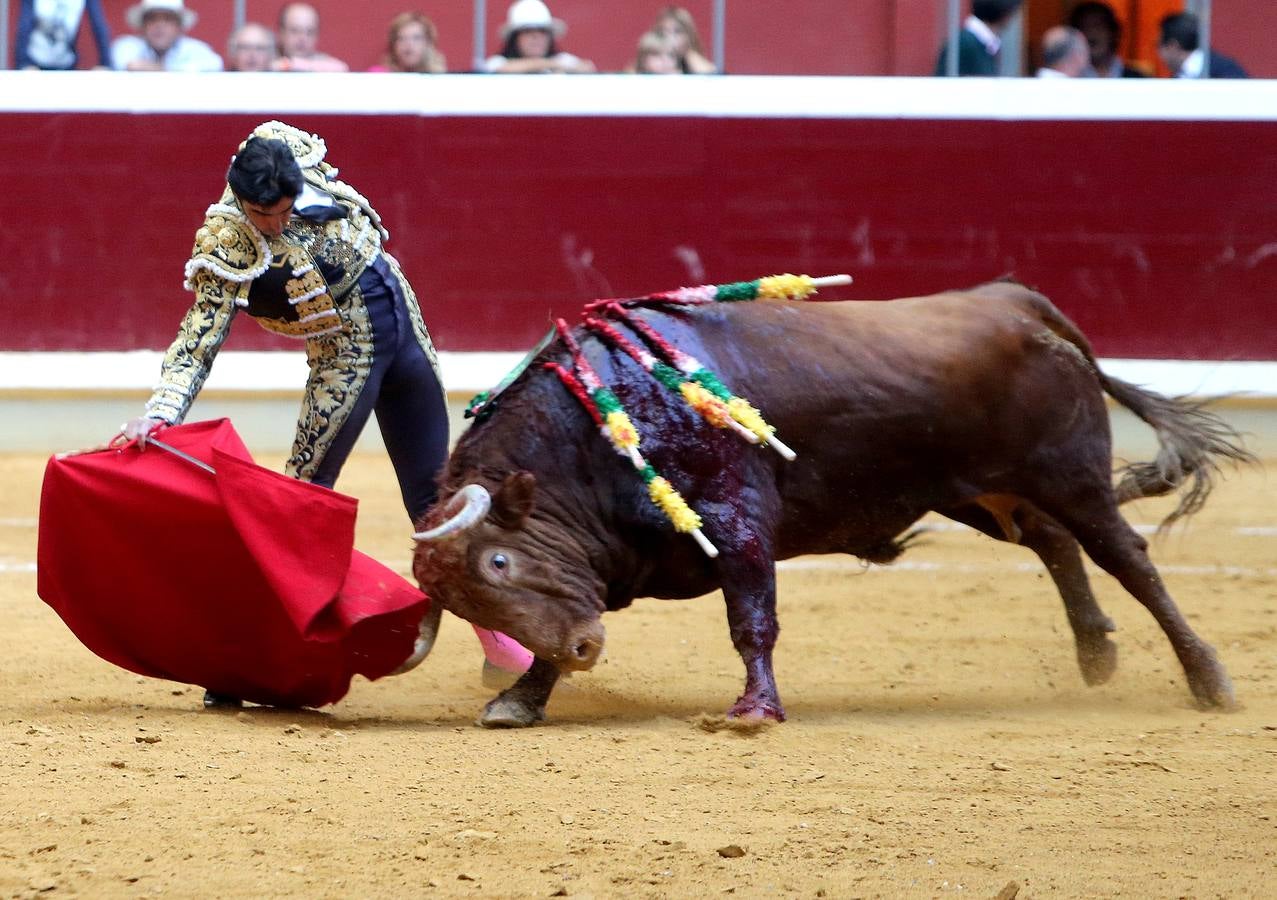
x: 221, y: 701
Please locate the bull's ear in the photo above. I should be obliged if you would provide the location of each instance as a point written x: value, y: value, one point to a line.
x: 513, y: 502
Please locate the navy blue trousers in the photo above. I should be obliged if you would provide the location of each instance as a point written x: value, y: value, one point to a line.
x: 405, y: 393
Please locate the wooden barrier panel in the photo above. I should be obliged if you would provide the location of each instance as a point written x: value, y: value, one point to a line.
x: 1143, y: 210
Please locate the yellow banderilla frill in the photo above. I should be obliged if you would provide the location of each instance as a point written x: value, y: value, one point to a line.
x: 782, y: 287
x: 622, y: 430
x: 673, y: 505
x: 713, y: 410
x: 742, y: 411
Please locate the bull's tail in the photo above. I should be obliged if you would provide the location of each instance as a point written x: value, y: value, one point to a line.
x: 1192, y: 440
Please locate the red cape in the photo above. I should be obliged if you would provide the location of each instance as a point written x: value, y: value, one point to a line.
x: 244, y: 582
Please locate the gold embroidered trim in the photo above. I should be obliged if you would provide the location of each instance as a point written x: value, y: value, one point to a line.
x: 340, y: 364
x: 310, y: 284
x: 306, y: 327
x: 190, y: 356
x: 229, y: 246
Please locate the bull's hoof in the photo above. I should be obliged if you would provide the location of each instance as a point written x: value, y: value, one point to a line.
x: 1097, y: 658
x: 1212, y: 688
x: 748, y: 708
x: 510, y: 712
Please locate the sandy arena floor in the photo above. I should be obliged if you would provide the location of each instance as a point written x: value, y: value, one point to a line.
x: 940, y: 742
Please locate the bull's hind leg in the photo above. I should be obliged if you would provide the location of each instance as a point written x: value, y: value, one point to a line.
x: 1059, y: 552
x: 1093, y: 518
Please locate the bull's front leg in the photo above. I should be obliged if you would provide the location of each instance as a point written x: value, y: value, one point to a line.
x: 749, y: 587
x: 523, y: 703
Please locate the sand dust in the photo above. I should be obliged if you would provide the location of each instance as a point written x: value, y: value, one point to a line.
x: 940, y: 742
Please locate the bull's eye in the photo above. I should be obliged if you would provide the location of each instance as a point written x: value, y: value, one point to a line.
x: 498, y: 566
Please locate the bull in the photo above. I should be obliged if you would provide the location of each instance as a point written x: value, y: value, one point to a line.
x: 985, y: 406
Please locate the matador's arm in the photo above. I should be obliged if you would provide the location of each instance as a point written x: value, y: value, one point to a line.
x: 190, y: 357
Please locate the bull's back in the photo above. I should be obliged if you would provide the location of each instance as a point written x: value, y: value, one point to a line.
x: 894, y: 407
x: 907, y: 356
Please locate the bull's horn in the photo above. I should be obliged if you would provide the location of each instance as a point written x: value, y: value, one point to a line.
x: 477, y: 501
x: 426, y: 632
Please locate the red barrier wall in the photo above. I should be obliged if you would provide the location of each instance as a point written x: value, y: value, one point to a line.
x: 1159, y: 238
x: 808, y: 37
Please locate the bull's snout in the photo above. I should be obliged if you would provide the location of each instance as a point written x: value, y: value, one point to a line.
x: 583, y: 647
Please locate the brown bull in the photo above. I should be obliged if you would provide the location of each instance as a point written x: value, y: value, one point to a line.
x: 986, y: 406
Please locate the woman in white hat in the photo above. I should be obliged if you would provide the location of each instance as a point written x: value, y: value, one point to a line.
x: 530, y: 35
x: 162, y: 44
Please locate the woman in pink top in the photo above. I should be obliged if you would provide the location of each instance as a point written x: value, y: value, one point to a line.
x: 412, y: 46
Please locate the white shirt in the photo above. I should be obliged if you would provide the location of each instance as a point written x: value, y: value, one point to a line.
x: 1193, y: 65
x: 1046, y: 72
x: 568, y: 60
x: 186, y: 55
x: 53, y: 33
x: 991, y: 41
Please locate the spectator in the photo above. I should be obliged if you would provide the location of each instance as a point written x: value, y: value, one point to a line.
x: 48, y: 30
x: 299, y: 42
x: 251, y: 48
x: 1178, y: 46
x: 657, y: 55
x: 1103, y: 33
x: 676, y: 25
x: 163, y: 45
x: 412, y: 46
x: 980, y: 38
x: 530, y: 43
x: 1064, y: 53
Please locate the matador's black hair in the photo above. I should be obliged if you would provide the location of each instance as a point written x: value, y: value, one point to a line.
x: 264, y: 172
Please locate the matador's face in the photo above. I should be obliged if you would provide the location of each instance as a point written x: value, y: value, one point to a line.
x: 269, y: 220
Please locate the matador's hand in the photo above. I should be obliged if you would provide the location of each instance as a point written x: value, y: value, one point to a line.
x: 140, y: 429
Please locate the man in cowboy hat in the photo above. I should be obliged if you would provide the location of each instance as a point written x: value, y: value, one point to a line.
x: 529, y: 38
x: 162, y: 44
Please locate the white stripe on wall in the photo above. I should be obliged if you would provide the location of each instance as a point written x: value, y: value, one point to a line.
x: 282, y: 370
x: 736, y: 96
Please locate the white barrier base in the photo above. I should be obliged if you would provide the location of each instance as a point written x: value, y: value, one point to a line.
x: 62, y: 401
x: 283, y: 371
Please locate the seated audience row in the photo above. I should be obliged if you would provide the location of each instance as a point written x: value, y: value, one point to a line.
x: 49, y: 29
x: 1096, y: 26
x: 1086, y: 46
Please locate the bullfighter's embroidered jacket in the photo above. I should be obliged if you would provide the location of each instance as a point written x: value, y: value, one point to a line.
x: 302, y: 284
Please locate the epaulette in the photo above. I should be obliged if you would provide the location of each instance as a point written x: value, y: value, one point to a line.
x: 228, y: 246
